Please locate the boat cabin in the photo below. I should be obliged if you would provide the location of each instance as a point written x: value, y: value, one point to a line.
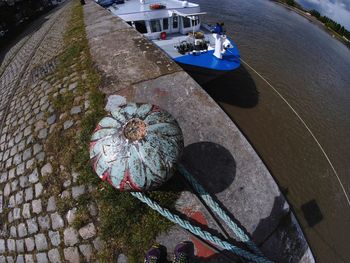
x: 157, y: 20
x: 153, y: 29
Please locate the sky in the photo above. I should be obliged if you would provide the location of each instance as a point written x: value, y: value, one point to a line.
x: 338, y: 10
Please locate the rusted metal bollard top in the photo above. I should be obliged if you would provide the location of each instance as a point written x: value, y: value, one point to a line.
x: 136, y: 147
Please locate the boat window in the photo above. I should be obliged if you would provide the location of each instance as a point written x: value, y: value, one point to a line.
x: 175, y: 21
x: 155, y: 26
x: 165, y: 23
x: 187, y: 22
x: 141, y: 26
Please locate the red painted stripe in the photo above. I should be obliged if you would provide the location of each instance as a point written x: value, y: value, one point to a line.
x: 202, y: 250
x: 107, y: 176
x: 98, y: 127
x: 91, y: 145
x: 124, y: 181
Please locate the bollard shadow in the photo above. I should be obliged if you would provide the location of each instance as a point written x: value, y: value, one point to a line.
x: 212, y: 165
x: 235, y: 88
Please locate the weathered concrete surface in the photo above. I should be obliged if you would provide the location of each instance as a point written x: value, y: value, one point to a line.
x: 125, y: 56
x: 216, y: 152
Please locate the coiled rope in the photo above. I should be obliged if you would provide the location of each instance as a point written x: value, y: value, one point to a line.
x: 256, y: 256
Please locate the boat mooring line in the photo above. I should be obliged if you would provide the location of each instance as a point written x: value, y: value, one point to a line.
x: 306, y: 126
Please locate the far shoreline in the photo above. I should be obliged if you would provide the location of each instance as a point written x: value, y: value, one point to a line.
x: 315, y: 21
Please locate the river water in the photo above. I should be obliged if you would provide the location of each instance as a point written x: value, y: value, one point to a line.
x: 307, y: 148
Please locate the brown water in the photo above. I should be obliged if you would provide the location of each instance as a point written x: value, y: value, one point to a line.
x: 311, y: 71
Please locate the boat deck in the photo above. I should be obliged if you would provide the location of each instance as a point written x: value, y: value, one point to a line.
x: 172, y: 40
x: 230, y: 61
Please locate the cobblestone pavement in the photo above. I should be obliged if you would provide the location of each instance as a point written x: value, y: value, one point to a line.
x: 11, y: 53
x: 32, y: 228
x: 26, y: 54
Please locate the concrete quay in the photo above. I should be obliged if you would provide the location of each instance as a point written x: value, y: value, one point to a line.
x: 216, y: 152
x: 33, y: 228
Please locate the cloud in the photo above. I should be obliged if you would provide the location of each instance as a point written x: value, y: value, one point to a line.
x: 346, y: 4
x: 338, y: 10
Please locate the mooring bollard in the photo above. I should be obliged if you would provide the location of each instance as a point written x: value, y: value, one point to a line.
x: 136, y: 149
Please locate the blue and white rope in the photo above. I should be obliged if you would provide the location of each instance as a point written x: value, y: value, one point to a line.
x: 198, y: 231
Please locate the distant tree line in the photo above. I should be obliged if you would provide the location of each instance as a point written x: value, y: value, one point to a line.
x: 293, y: 3
x: 341, y: 30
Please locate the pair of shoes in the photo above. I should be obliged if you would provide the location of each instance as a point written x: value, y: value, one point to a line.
x: 181, y: 253
x: 153, y: 254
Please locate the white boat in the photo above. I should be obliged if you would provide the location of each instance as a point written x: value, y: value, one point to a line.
x: 175, y: 27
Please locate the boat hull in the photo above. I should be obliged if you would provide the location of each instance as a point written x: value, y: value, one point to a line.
x: 205, y: 67
x: 202, y: 75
